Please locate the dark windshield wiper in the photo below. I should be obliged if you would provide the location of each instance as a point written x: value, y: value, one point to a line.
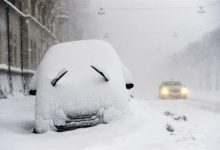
x: 101, y: 73
x: 58, y: 77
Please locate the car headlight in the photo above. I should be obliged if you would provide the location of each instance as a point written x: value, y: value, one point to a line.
x: 184, y: 91
x: 165, y: 91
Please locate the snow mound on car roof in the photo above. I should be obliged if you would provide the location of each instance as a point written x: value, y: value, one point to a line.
x: 82, y: 90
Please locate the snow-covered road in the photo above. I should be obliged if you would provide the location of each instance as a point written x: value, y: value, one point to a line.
x: 194, y: 124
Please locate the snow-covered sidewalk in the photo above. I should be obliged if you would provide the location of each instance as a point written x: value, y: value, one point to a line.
x: 151, y: 124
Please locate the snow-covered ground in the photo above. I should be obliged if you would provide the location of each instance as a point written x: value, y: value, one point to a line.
x: 194, y: 124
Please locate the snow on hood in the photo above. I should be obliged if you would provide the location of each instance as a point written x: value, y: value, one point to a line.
x: 81, y: 90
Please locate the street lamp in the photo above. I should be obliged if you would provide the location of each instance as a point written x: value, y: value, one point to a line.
x: 175, y: 35
x: 201, y: 10
x: 101, y: 12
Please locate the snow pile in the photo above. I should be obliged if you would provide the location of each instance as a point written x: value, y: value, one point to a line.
x: 112, y: 114
x: 94, y: 80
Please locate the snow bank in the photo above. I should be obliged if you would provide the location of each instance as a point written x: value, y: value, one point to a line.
x: 94, y: 80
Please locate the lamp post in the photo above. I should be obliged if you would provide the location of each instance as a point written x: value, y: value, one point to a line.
x: 101, y: 12
x: 201, y: 10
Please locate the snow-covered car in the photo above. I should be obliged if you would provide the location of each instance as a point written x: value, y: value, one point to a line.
x: 79, y: 84
x: 172, y: 89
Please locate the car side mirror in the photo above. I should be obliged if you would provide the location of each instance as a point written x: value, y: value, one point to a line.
x: 129, y: 86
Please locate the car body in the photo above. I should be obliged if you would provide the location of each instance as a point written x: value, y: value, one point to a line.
x: 172, y: 90
x: 78, y: 84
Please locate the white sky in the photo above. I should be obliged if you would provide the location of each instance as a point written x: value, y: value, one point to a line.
x: 143, y: 37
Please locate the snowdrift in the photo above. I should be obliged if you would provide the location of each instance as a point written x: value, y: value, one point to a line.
x: 79, y: 78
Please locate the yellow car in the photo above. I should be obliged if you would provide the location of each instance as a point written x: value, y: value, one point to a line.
x: 173, y: 90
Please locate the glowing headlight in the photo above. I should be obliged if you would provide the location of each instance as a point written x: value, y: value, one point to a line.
x: 184, y: 91
x: 164, y: 91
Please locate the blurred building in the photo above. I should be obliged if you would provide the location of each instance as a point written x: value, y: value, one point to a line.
x: 27, y: 29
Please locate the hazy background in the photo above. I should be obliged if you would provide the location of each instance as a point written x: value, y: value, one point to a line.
x: 153, y: 38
